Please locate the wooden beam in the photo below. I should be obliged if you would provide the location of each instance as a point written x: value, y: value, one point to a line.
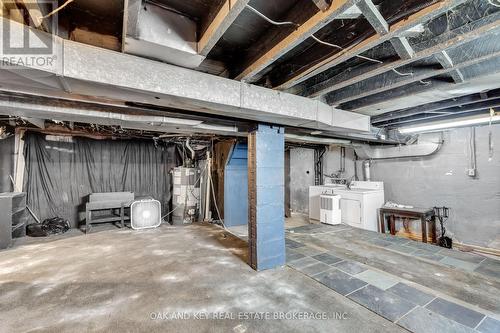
x: 391, y: 81
x: 309, y: 27
x: 11, y: 11
x: 407, y: 94
x: 437, y: 106
x: 442, y: 42
x: 222, y: 21
x: 445, y: 113
x: 395, y: 30
x: 35, y: 13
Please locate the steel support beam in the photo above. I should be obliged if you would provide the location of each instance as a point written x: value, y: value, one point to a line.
x: 437, y: 45
x: 311, y: 26
x: 395, y: 30
x: 222, y: 21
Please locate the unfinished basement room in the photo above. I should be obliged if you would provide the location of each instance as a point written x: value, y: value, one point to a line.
x: 250, y: 166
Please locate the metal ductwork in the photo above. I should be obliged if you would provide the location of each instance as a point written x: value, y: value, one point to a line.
x: 129, y: 121
x: 157, y: 33
x: 91, y: 73
x: 367, y: 152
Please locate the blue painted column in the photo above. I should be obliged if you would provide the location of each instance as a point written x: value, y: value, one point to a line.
x: 236, y: 186
x: 266, y: 191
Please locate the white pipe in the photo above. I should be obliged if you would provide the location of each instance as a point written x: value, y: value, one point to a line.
x: 366, y: 171
x: 209, y: 181
x: 190, y: 149
x: 367, y: 152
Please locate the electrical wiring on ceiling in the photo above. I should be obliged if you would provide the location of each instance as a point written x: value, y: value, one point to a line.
x: 326, y: 43
x: 360, y: 56
x: 57, y: 9
x: 270, y: 20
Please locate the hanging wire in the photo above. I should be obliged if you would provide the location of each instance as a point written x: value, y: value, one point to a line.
x: 325, y: 43
x: 402, y: 74
x: 359, y: 56
x: 57, y: 9
x: 269, y: 20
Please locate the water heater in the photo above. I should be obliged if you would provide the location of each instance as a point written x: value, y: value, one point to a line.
x: 186, y: 196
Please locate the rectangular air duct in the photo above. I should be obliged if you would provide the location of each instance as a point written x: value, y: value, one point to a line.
x: 155, y: 32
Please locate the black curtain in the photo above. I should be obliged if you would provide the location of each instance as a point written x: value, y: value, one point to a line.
x: 60, y: 174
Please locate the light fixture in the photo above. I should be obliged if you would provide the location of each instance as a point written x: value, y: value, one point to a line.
x: 312, y: 139
x: 217, y: 128
x: 449, y: 124
x: 316, y: 132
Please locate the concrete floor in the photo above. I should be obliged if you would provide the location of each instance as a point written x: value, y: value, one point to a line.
x: 117, y: 280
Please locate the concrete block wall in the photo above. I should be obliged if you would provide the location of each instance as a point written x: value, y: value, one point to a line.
x: 442, y: 180
x: 302, y: 173
x: 266, y: 188
x: 437, y: 180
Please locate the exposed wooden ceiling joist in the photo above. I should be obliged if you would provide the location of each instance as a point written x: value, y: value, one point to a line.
x: 395, y: 30
x: 435, y: 46
x: 481, y: 76
x: 458, y: 102
x: 222, y: 21
x: 309, y: 27
x: 455, y: 111
x: 35, y: 13
x: 391, y: 81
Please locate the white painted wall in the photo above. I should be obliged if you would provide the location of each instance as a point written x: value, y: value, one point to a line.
x: 437, y: 180
x: 441, y: 180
